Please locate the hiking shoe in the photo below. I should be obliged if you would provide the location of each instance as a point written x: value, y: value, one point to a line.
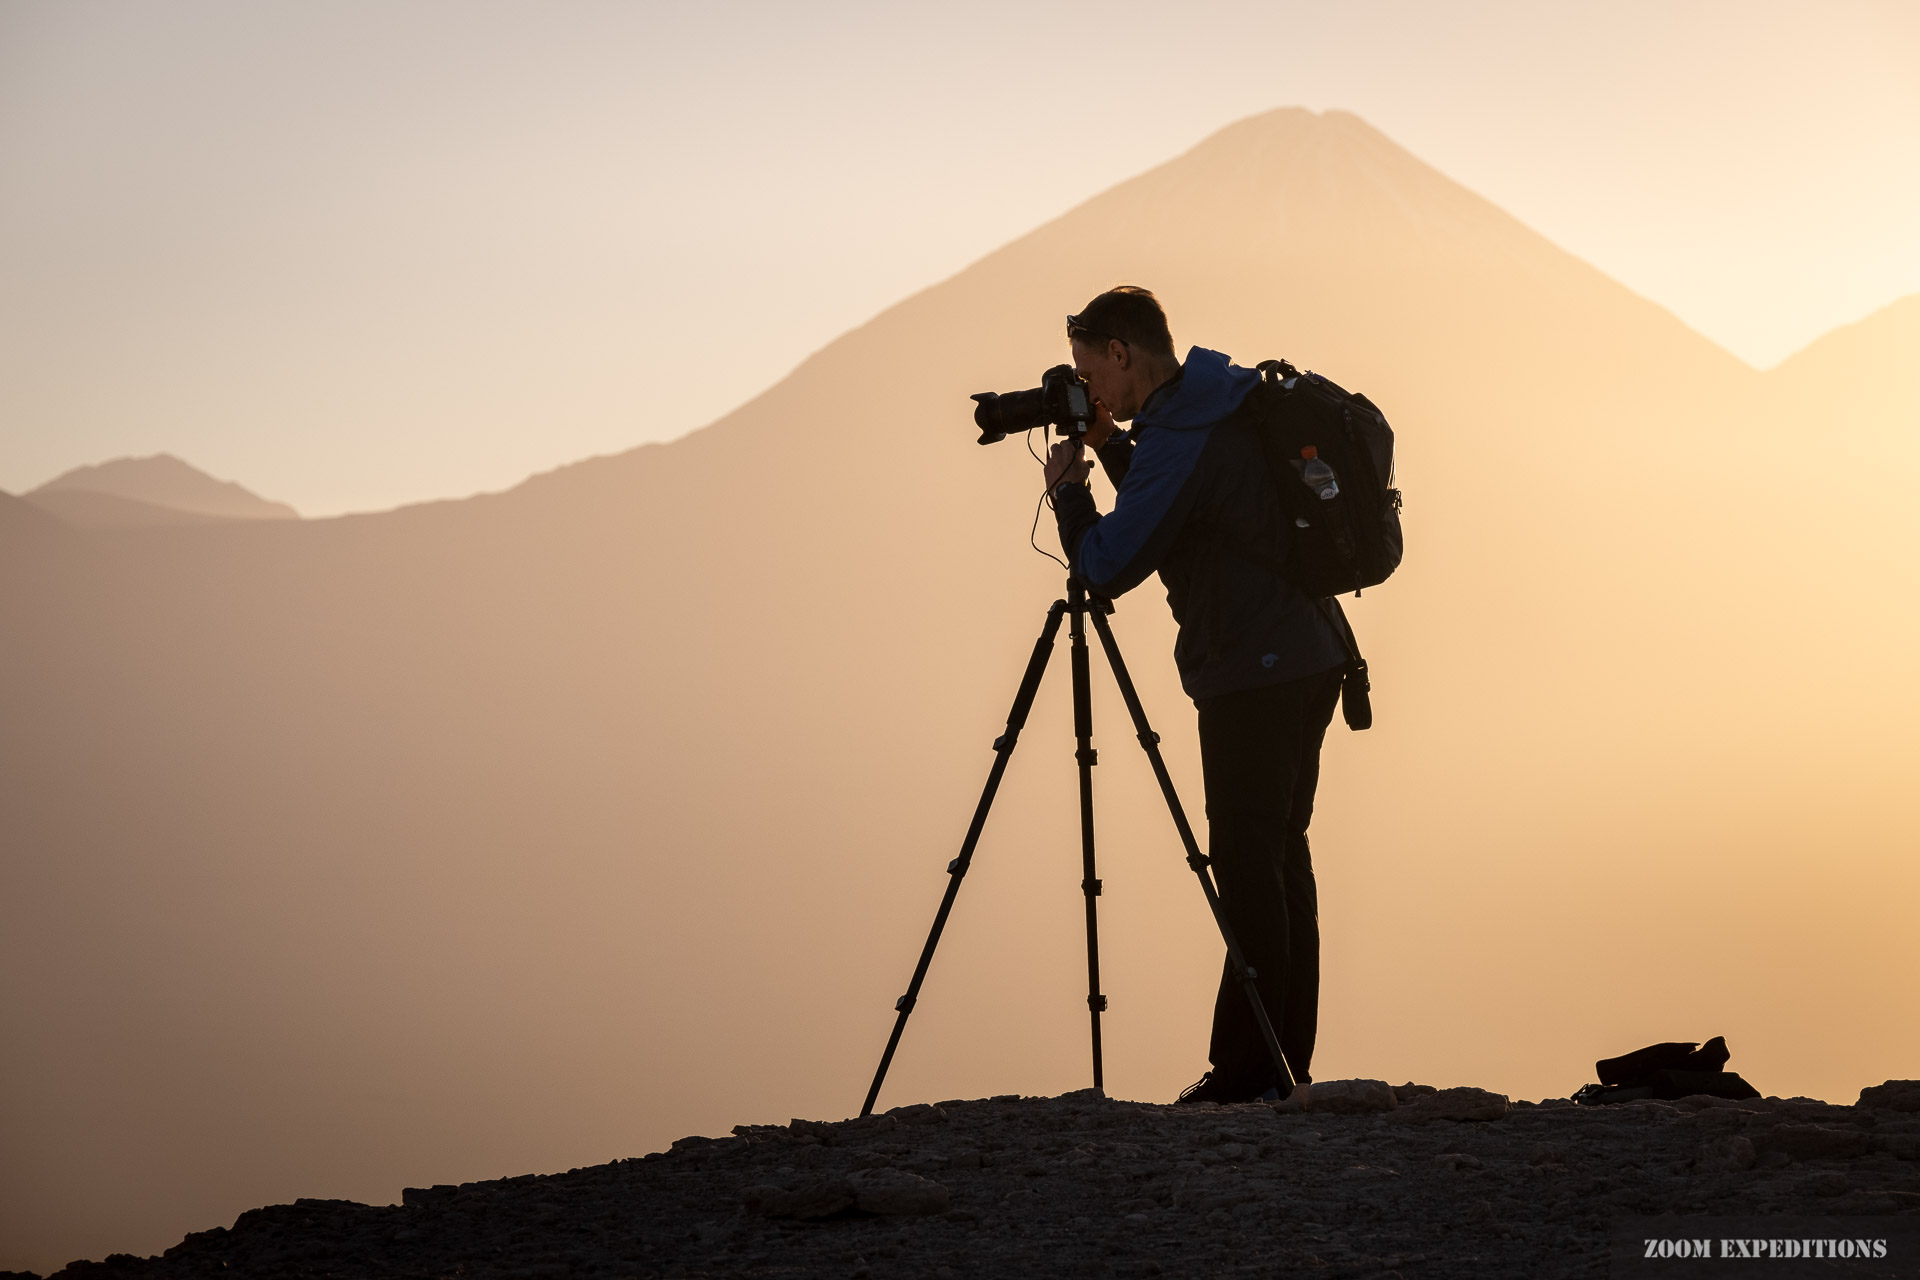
x: 1210, y: 1088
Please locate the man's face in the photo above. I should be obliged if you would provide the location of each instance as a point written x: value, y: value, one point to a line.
x: 1106, y: 364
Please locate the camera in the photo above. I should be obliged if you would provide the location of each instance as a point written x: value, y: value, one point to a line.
x: 1061, y: 399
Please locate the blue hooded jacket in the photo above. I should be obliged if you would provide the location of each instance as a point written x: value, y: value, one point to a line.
x: 1195, y: 502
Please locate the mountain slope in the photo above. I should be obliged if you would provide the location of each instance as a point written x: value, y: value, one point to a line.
x: 20, y: 520
x: 86, y: 509
x: 1876, y: 351
x: 1870, y: 369
x: 161, y: 481
x: 536, y: 828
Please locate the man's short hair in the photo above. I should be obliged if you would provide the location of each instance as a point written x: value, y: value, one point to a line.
x: 1129, y: 313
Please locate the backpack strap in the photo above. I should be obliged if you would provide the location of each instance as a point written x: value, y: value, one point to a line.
x: 1356, y: 704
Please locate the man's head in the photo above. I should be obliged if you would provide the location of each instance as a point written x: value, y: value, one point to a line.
x: 1123, y: 348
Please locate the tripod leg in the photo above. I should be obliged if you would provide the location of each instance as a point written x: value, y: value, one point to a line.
x: 1087, y: 758
x: 1150, y: 741
x: 957, y: 869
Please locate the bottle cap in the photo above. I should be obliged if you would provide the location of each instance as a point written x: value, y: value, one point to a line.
x: 1309, y: 452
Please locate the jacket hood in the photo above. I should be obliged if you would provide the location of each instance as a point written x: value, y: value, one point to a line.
x: 1211, y: 387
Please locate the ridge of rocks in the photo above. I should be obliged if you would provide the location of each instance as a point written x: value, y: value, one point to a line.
x: 1371, y: 1180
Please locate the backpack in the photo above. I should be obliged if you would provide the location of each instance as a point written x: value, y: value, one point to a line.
x: 1675, y: 1069
x: 1346, y: 533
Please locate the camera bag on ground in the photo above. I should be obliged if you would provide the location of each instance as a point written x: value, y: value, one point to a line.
x: 1675, y: 1069
x: 1330, y: 454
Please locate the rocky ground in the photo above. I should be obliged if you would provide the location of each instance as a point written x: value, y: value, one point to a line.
x: 1372, y: 1182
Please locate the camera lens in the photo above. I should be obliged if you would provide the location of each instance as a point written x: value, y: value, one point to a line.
x: 998, y: 416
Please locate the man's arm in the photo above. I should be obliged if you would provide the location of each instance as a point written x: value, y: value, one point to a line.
x: 1118, y: 551
x: 1116, y: 455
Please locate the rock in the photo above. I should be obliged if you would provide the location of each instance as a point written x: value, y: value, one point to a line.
x: 815, y: 1200
x: 1894, y: 1095
x: 1901, y: 1146
x: 880, y: 1122
x: 1817, y: 1142
x: 886, y: 1192
x: 1350, y: 1097
x: 1859, y: 1202
x: 1823, y: 1184
x: 1727, y: 1155
x: 1709, y: 1102
x: 919, y: 1113
x: 1454, y: 1104
x: 897, y: 1193
x: 1405, y: 1093
x: 811, y: 1131
x: 924, y: 1162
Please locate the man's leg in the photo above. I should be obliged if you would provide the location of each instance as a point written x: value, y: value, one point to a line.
x: 1298, y: 1025
x: 1260, y: 751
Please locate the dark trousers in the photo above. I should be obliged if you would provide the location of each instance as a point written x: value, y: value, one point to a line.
x: 1260, y: 752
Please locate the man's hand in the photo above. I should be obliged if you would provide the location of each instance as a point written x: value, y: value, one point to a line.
x: 1065, y: 461
x: 1103, y: 426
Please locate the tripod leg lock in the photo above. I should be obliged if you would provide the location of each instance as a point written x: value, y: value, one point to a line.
x: 1007, y: 741
x: 1149, y: 738
x: 1248, y: 973
x: 1097, y: 1003
x: 904, y: 1003
x: 1091, y: 888
x: 1087, y: 755
x: 1199, y: 861
x: 957, y: 867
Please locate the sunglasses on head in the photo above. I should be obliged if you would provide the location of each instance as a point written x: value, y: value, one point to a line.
x: 1078, y: 331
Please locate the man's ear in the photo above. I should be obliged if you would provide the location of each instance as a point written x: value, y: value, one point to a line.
x: 1119, y: 352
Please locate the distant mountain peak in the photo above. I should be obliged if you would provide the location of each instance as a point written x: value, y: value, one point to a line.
x: 160, y: 489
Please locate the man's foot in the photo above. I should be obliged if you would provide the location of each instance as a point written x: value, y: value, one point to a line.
x: 1205, y: 1089
x: 1209, y: 1088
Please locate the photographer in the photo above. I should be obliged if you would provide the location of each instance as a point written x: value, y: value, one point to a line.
x: 1195, y: 502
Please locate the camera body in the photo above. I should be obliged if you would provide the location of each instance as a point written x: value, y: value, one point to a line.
x: 1062, y: 400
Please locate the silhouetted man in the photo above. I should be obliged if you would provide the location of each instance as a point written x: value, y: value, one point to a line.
x: 1195, y: 502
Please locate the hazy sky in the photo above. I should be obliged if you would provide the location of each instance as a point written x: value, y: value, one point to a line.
x: 354, y: 255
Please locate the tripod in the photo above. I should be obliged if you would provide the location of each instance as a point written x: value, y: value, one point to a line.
x: 1079, y: 607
